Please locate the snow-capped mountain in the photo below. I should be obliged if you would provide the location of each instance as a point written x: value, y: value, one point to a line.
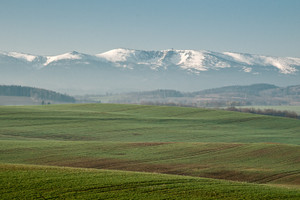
x: 128, y: 69
x: 198, y: 61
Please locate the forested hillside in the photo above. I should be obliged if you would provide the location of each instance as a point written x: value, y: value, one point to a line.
x: 36, y: 93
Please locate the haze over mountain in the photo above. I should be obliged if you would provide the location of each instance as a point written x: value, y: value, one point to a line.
x: 124, y: 70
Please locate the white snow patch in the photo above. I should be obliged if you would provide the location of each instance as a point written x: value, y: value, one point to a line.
x: 285, y: 65
x: 239, y: 57
x: 66, y: 56
x: 26, y: 57
x: 212, y: 61
x: 162, y: 58
x: 191, y: 59
x: 117, y: 55
x: 294, y: 61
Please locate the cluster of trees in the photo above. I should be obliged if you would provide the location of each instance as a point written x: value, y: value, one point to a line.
x: 272, y: 112
x: 158, y: 94
x: 159, y: 103
x: 186, y: 103
x: 216, y: 104
x: 41, y: 94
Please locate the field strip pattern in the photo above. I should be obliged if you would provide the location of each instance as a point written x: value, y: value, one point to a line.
x: 190, y: 142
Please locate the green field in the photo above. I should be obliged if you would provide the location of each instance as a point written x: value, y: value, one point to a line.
x: 131, y: 123
x: 193, y: 142
x: 36, y: 182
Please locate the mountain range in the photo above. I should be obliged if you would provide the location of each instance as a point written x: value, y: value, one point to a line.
x: 125, y: 70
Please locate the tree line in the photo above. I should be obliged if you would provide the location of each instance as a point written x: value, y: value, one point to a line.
x: 37, y: 93
x: 272, y: 112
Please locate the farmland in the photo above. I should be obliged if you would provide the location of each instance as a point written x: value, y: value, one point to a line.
x: 37, y: 182
x: 193, y: 142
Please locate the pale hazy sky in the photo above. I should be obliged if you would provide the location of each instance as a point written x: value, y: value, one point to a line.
x: 48, y: 27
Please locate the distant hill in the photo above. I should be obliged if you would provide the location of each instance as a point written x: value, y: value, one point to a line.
x: 256, y: 94
x: 284, y: 91
x: 254, y: 89
x: 15, y: 95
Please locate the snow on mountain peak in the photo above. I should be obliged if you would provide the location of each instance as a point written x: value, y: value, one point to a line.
x: 240, y: 58
x: 285, y: 65
x: 189, y: 60
x: 27, y: 57
x: 198, y: 60
x: 67, y: 56
x: 185, y: 58
x: 117, y: 55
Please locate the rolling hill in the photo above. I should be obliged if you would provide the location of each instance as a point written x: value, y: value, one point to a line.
x: 238, y: 95
x: 173, y: 140
x: 40, y: 182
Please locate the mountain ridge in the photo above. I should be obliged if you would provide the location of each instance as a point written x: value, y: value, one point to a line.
x: 126, y: 70
x: 188, y: 59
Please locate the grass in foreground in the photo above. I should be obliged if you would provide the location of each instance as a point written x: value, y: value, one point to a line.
x: 36, y: 182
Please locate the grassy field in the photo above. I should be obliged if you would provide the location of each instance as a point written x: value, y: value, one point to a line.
x: 171, y: 140
x: 36, y: 182
x: 13, y: 100
x: 131, y: 123
x: 258, y: 163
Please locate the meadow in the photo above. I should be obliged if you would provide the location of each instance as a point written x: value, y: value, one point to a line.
x: 37, y: 182
x: 185, y: 143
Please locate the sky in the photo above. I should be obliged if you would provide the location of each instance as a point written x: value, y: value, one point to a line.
x: 44, y: 27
